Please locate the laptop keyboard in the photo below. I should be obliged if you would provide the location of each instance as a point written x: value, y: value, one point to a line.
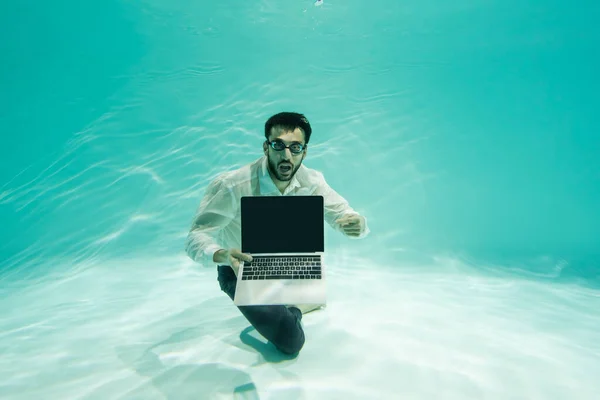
x: 273, y: 267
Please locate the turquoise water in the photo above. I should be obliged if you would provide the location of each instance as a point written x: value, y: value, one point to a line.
x: 466, y: 133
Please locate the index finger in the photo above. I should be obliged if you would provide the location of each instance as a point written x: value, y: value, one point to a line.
x: 349, y: 220
x: 342, y: 220
x: 246, y: 257
x: 241, y: 256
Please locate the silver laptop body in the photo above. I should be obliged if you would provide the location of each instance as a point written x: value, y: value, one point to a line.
x: 285, y: 237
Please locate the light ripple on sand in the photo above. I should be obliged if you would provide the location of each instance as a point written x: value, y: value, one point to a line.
x: 392, y: 331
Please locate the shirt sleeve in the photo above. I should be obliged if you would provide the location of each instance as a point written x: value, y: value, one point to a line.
x: 216, y: 210
x: 336, y: 207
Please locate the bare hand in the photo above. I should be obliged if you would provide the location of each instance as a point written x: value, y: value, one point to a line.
x: 235, y: 257
x: 352, y: 225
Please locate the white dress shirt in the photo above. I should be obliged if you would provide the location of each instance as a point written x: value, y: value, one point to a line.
x: 217, y: 224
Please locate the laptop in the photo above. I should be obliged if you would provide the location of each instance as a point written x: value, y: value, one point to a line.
x: 286, y: 238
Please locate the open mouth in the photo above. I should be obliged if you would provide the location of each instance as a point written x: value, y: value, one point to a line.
x: 285, y: 168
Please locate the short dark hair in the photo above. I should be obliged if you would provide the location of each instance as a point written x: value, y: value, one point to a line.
x: 288, y: 121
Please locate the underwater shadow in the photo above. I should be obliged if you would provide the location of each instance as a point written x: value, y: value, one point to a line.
x: 267, y: 350
x: 185, y: 381
x: 264, y: 348
x: 193, y: 381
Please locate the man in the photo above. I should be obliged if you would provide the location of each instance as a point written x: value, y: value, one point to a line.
x: 215, y: 236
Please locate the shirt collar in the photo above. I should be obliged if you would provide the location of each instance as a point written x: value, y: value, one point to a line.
x: 267, y: 186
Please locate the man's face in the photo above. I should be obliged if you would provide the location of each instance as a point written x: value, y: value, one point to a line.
x: 283, y: 164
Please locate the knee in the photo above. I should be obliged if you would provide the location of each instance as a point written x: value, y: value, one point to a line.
x: 290, y: 343
x: 291, y: 347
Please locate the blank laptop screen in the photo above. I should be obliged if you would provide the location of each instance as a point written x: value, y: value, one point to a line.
x: 282, y: 224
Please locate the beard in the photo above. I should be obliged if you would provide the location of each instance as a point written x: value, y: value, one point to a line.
x: 278, y: 173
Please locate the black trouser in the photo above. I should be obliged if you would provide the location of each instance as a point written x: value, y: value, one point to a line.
x: 278, y: 324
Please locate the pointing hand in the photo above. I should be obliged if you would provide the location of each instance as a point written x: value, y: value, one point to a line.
x: 352, y: 225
